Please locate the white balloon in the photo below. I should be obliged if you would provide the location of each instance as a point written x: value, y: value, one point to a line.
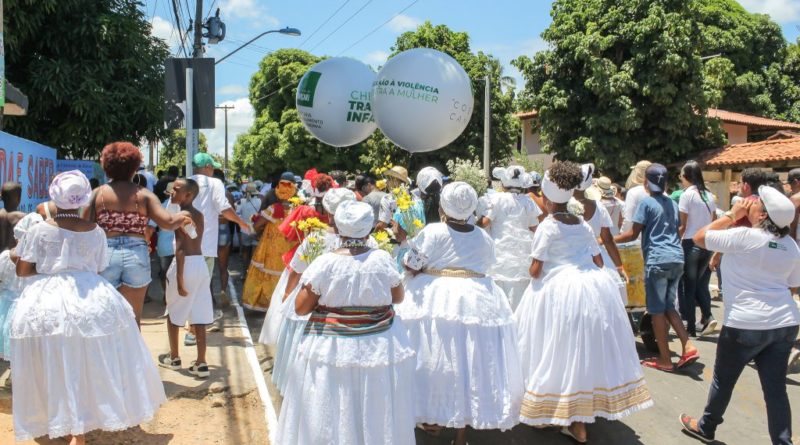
x: 422, y: 99
x: 333, y: 100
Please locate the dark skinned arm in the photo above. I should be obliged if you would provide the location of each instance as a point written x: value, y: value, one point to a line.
x: 307, y: 300
x: 630, y: 235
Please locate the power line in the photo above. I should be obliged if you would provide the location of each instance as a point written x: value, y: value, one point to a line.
x: 211, y: 8
x: 177, y: 17
x: 378, y: 27
x: 323, y: 23
x: 340, y: 26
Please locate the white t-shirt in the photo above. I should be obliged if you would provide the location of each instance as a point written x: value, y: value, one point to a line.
x: 247, y: 207
x: 614, y: 208
x: 634, y: 197
x: 759, y: 270
x: 698, y: 211
x: 211, y: 202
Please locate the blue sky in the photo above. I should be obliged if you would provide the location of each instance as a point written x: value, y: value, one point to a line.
x: 504, y: 28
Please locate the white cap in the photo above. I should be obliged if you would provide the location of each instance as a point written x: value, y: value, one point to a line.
x: 28, y: 221
x: 511, y: 176
x: 459, y: 200
x: 334, y: 197
x: 354, y: 219
x: 553, y: 192
x: 587, y: 171
x: 70, y: 190
x: 427, y: 176
x: 779, y: 208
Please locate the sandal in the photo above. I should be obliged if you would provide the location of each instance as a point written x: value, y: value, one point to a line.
x: 654, y: 364
x: 687, y: 359
x: 565, y: 431
x: 686, y: 423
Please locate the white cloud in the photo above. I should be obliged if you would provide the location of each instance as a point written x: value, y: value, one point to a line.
x: 782, y: 11
x: 376, y: 58
x: 164, y: 30
x: 233, y: 90
x: 251, y: 10
x: 402, y: 23
x: 240, y: 118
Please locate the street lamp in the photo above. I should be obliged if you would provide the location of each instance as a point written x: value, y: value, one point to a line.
x: 287, y: 31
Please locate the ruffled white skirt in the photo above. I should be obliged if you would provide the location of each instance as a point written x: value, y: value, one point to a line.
x: 80, y: 363
x: 577, y: 350
x: 333, y: 397
x: 274, y: 317
x: 8, y: 303
x: 289, y: 337
x: 468, y: 370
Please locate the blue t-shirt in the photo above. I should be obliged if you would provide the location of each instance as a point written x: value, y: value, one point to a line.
x: 660, y: 241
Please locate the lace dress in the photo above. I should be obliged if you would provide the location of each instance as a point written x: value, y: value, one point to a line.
x: 599, y: 220
x: 468, y: 370
x: 80, y: 363
x: 351, y: 390
x: 10, y: 288
x: 267, y: 264
x: 577, y: 349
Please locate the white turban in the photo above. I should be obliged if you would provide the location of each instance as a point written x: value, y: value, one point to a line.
x: 354, y: 219
x: 512, y: 176
x: 28, y: 221
x: 553, y: 192
x: 779, y: 208
x: 459, y: 200
x: 428, y: 176
x: 334, y: 197
x: 70, y: 190
x: 587, y: 171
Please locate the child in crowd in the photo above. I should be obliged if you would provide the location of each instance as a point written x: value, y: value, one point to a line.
x: 188, y: 283
x: 11, y: 194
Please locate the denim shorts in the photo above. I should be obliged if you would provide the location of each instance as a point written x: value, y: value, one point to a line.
x: 128, y: 262
x: 224, y: 235
x: 661, y: 286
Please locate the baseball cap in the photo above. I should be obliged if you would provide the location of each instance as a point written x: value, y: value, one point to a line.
x: 794, y: 175
x: 656, y: 176
x: 203, y: 159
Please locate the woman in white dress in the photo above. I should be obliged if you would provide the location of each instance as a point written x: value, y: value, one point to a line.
x: 576, y: 346
x: 599, y: 220
x: 80, y: 363
x: 350, y: 383
x: 460, y: 324
x: 511, y: 218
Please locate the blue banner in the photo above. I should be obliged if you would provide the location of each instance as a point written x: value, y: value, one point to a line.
x: 32, y: 165
x: 91, y: 169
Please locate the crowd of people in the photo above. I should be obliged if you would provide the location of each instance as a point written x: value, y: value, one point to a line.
x: 395, y: 304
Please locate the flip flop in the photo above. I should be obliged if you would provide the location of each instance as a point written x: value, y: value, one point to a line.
x: 687, y: 359
x: 654, y: 364
x: 565, y: 431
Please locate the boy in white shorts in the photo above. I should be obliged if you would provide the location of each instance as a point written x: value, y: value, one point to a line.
x: 188, y: 283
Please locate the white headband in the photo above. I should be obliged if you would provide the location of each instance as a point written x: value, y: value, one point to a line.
x: 354, y: 219
x: 553, y: 192
x: 512, y: 176
x: 70, y: 190
x: 587, y: 171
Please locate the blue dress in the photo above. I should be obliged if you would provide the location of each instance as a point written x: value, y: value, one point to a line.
x: 10, y: 288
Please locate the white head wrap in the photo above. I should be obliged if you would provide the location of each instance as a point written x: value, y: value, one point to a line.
x: 427, y: 176
x: 779, y: 208
x: 28, y: 221
x: 459, y: 200
x: 70, y: 190
x: 553, y: 192
x: 334, y: 197
x: 587, y: 171
x: 354, y: 219
x: 512, y: 176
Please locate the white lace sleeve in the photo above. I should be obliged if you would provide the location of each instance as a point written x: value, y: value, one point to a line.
x: 316, y: 275
x: 541, y: 242
x: 297, y: 264
x: 26, y: 246
x: 390, y: 268
x: 101, y: 255
x: 416, y: 258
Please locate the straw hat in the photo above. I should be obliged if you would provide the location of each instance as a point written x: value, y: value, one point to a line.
x: 398, y: 172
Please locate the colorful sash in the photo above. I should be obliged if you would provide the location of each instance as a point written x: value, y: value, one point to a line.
x: 350, y: 321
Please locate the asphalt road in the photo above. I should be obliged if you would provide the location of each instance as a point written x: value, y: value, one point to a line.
x: 673, y: 393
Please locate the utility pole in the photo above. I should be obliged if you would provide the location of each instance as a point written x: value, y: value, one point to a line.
x: 226, y: 108
x: 193, y: 135
x: 487, y: 128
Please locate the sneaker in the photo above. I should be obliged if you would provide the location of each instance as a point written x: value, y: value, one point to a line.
x: 189, y: 339
x: 166, y: 361
x: 709, y: 327
x: 218, y: 314
x: 794, y: 362
x: 200, y: 370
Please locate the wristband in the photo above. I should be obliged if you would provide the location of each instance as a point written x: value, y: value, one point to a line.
x: 729, y: 214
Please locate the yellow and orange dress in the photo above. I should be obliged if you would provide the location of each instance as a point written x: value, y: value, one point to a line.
x: 267, y: 264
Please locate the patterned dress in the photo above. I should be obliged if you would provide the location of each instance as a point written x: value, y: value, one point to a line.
x: 267, y: 264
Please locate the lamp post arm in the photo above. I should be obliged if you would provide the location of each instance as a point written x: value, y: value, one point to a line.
x: 243, y: 45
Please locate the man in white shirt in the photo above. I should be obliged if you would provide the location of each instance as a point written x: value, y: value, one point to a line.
x: 636, y: 194
x: 212, y: 202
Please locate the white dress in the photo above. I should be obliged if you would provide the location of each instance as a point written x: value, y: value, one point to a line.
x: 468, y: 370
x: 10, y: 288
x: 351, y: 390
x: 598, y: 221
x: 577, y: 349
x: 80, y: 363
x: 512, y: 216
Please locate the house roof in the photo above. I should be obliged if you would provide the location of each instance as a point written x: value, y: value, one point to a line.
x: 754, y: 123
x: 772, y: 152
x: 16, y: 102
x: 525, y: 115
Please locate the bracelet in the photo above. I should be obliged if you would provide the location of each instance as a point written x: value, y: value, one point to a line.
x: 729, y: 215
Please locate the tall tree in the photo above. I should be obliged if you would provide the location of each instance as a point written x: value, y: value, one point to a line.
x: 91, y: 70
x: 172, y: 151
x: 622, y: 81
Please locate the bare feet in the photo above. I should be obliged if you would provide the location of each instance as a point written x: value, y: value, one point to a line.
x: 78, y: 440
x: 578, y: 430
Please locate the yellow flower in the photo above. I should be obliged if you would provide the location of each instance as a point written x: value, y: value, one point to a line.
x: 403, y: 203
x: 381, y: 184
x: 295, y: 200
x: 293, y: 224
x: 382, y: 236
x: 304, y: 258
x: 397, y: 191
x: 418, y: 224
x: 313, y: 239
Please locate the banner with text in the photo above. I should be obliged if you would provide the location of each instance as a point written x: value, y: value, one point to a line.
x: 91, y: 169
x: 29, y: 163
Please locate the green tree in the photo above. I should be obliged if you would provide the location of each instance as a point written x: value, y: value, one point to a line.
x: 622, y: 81
x: 470, y: 144
x: 172, y: 151
x: 790, y: 84
x: 91, y: 69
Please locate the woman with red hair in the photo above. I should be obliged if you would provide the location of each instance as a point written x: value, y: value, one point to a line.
x: 122, y: 209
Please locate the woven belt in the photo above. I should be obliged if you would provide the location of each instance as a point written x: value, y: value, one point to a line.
x: 454, y: 273
x: 350, y: 321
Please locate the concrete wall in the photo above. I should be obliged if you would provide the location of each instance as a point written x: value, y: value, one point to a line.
x: 532, y: 145
x: 737, y: 134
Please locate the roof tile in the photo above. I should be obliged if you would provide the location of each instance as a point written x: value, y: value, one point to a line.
x: 769, y: 151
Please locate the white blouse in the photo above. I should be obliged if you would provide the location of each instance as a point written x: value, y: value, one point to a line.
x: 55, y: 250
